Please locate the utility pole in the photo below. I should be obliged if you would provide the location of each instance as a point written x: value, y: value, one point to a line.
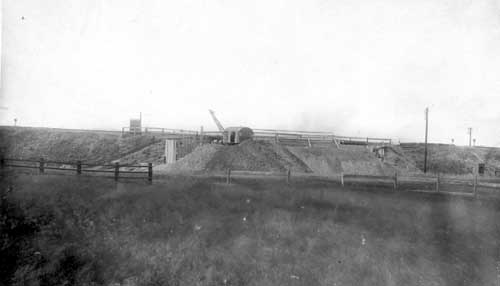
x: 470, y: 136
x: 426, y: 129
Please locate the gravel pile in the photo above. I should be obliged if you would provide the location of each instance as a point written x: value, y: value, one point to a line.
x: 249, y: 156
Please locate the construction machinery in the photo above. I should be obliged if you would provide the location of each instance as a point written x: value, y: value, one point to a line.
x: 232, y: 135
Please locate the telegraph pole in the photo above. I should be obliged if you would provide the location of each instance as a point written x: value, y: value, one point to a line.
x: 426, y: 129
x: 470, y: 136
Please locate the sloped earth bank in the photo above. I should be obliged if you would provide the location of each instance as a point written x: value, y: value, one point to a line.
x: 153, y: 153
x: 395, y: 160
x: 265, y: 156
x: 451, y: 159
x: 56, y: 145
x: 331, y: 160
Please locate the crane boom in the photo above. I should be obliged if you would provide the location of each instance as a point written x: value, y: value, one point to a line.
x: 221, y: 129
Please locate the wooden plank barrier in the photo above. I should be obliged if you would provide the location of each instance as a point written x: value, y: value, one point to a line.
x: 42, y: 165
x: 437, y: 183
x: 117, y: 171
x: 395, y: 180
x: 150, y: 172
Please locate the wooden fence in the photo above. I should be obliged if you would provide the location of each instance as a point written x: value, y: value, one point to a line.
x: 283, y: 136
x: 423, y: 183
x: 79, y: 167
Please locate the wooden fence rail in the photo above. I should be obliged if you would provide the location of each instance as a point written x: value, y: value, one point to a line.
x: 399, y: 183
x: 78, y: 167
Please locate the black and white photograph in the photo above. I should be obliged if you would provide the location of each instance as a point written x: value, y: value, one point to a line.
x: 250, y: 142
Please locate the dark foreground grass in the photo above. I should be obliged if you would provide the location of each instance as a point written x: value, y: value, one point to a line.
x: 59, y: 230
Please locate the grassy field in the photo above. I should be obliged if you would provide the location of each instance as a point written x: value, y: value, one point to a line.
x: 68, y: 230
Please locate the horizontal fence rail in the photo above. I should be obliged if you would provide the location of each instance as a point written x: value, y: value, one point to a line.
x: 159, y: 130
x: 467, y: 186
x: 78, y: 167
x: 421, y: 183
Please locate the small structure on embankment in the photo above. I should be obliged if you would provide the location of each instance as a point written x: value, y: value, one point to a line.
x: 232, y: 135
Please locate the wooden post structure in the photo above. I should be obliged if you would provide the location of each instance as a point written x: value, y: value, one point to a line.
x: 228, y: 177
x: 426, y: 131
x: 202, y: 135
x: 342, y: 178
x: 288, y: 174
x: 78, y: 167
x: 475, y: 185
x: 2, y: 162
x: 395, y: 180
x: 42, y: 165
x: 150, y: 172
x: 437, y: 183
x: 117, y: 170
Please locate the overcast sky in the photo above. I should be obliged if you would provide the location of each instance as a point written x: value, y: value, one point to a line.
x: 353, y: 67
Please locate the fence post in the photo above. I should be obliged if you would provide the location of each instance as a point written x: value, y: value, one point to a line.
x: 117, y: 170
x: 2, y: 162
x: 288, y: 174
x: 395, y: 180
x: 475, y: 185
x: 342, y: 178
x: 78, y: 167
x: 42, y: 165
x: 437, y: 183
x: 150, y: 172
x: 228, y: 178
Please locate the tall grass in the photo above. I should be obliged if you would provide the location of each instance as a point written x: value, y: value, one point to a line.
x: 186, y: 231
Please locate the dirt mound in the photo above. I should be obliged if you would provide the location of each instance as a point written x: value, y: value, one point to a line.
x: 270, y: 157
x: 249, y: 156
x: 195, y: 161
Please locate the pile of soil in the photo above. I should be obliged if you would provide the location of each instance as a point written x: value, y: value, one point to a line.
x: 195, y: 161
x: 266, y: 156
x: 249, y: 155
